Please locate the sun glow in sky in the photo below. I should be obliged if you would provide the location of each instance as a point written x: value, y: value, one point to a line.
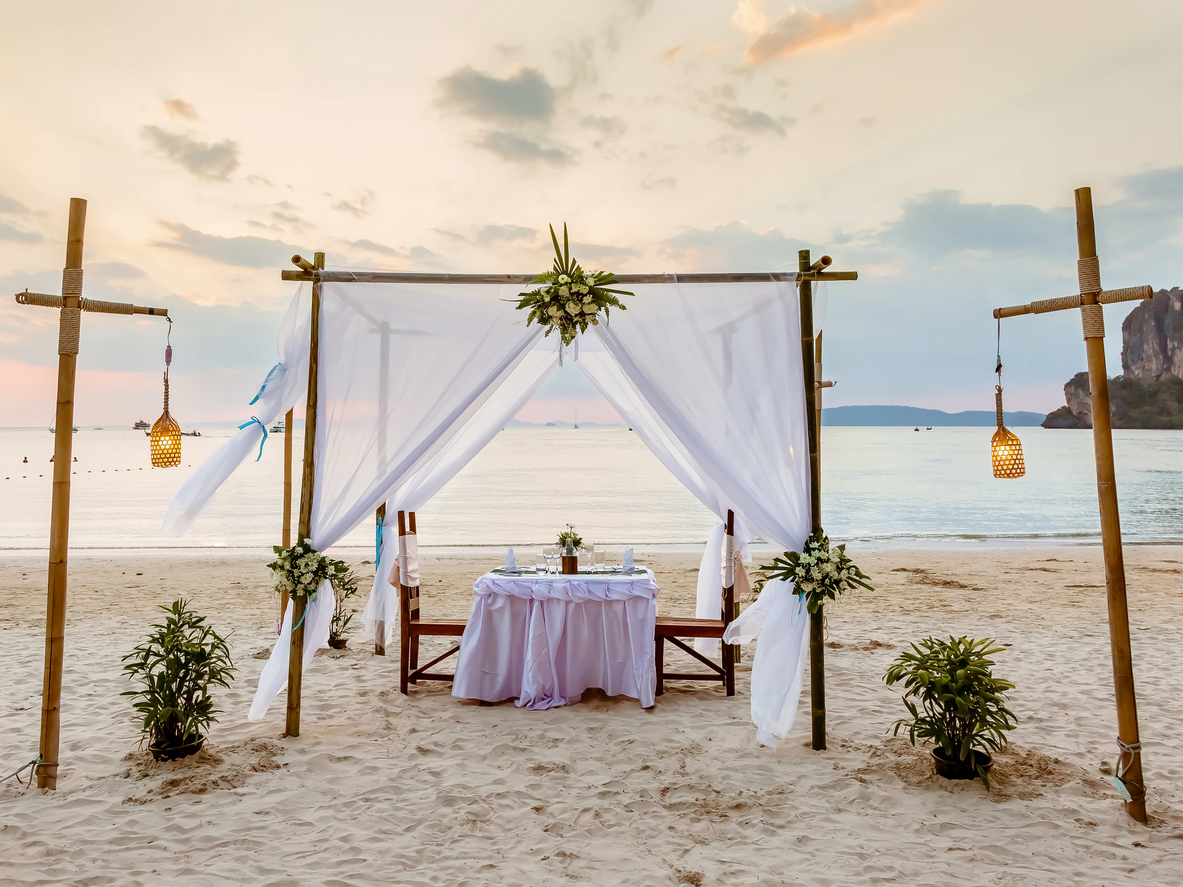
x: 933, y: 145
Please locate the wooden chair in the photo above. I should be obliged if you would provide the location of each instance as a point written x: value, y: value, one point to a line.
x: 412, y: 627
x: 672, y: 628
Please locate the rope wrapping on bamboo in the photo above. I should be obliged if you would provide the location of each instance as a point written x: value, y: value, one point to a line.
x: 1088, y: 272
x: 1125, y: 294
x: 998, y: 403
x: 1093, y: 320
x: 108, y: 307
x: 1058, y: 304
x: 43, y: 299
x: 70, y: 325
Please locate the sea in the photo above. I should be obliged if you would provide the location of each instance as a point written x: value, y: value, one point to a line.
x: 881, y: 487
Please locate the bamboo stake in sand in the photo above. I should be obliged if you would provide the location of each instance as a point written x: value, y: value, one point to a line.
x: 299, y: 603
x: 1089, y: 301
x: 287, y: 496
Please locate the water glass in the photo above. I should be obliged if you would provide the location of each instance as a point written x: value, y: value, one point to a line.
x: 541, y: 564
x: 599, y: 558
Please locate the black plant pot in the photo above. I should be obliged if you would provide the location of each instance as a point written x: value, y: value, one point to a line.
x: 176, y: 752
x: 338, y: 643
x: 952, y: 768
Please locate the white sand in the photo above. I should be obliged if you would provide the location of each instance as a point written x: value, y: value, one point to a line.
x: 381, y: 788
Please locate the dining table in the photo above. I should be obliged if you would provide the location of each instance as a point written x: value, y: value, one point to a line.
x: 543, y: 638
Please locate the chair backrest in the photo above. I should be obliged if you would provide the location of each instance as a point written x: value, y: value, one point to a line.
x: 408, y: 555
x: 729, y: 570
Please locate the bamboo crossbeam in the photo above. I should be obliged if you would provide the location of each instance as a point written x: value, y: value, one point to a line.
x: 1064, y: 303
x: 525, y: 279
x: 94, y: 306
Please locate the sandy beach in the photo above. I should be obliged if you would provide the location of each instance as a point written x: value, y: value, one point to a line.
x: 381, y: 788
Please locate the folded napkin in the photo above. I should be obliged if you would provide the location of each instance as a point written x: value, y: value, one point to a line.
x: 510, y: 560
x: 627, y: 566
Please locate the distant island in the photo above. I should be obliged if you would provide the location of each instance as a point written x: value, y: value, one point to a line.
x: 918, y: 417
x: 1149, y: 392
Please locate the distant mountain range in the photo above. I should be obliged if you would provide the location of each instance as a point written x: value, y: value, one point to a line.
x: 918, y: 417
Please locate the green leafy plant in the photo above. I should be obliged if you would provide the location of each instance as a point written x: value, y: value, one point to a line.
x: 345, y: 586
x: 301, y: 569
x: 818, y: 572
x: 570, y: 298
x: 178, y: 663
x: 570, y: 535
x: 953, y: 698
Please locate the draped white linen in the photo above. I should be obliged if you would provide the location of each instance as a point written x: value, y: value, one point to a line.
x: 318, y: 618
x: 502, y: 405
x: 720, y: 367
x: 285, y: 385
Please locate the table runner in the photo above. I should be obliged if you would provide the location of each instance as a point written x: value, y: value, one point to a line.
x: 546, y: 638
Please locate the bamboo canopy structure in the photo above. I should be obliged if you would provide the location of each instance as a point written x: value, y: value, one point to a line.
x: 315, y: 273
x: 1089, y: 300
x: 71, y: 305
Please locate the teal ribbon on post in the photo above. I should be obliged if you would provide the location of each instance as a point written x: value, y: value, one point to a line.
x: 255, y: 419
x: 377, y: 543
x: 263, y: 387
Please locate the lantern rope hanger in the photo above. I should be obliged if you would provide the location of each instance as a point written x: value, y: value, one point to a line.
x: 1128, y: 781
x: 165, y: 437
x: 71, y: 305
x: 1006, y: 452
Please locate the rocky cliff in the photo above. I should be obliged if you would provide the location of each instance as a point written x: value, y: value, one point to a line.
x: 1149, y: 393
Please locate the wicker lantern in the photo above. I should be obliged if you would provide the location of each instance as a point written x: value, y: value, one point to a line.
x: 1005, y: 450
x: 165, y: 439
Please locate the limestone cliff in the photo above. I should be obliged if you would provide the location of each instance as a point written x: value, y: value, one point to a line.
x: 1149, y: 393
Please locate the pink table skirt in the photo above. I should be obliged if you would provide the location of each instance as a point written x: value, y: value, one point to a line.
x: 545, y: 639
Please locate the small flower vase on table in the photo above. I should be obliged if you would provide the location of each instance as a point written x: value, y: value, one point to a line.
x: 570, y: 560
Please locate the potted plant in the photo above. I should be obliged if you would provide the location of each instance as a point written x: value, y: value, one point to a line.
x: 178, y: 663
x: 954, y: 701
x: 345, y: 583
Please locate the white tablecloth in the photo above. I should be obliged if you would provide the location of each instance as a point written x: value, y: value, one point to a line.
x: 547, y: 638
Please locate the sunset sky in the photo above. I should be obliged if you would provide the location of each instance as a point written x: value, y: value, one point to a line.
x: 933, y: 145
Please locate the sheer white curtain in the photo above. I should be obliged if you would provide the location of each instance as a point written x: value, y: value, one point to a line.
x: 501, y: 406
x: 720, y: 366
x: 284, y: 387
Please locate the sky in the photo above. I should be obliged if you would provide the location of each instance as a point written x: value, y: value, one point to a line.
x: 931, y: 145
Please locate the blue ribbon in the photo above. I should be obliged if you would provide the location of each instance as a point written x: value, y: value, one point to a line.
x: 377, y: 543
x: 263, y: 388
x: 255, y: 419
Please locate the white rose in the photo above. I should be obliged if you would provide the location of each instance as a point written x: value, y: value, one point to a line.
x: 563, y: 278
x: 554, y: 310
x: 564, y: 291
x: 590, y: 308
x: 572, y: 307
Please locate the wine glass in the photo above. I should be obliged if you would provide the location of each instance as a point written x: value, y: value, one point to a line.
x: 541, y: 564
x: 550, y: 552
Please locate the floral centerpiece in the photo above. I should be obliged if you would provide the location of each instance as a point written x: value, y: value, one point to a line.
x: 570, y: 299
x: 301, y: 569
x: 570, y: 535
x: 818, y: 572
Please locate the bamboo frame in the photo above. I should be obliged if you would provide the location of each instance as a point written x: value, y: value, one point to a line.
x: 59, y: 526
x: 307, y: 480
x: 288, y: 421
x: 1115, y: 584
x: 817, y: 647
x: 320, y: 276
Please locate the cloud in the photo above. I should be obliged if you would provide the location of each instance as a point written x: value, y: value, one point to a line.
x: 12, y: 207
x: 801, y: 28
x: 244, y: 252
x: 111, y: 271
x: 8, y: 232
x: 611, y: 127
x: 359, y: 208
x: 257, y: 179
x: 603, y: 253
x: 487, y: 235
x: 670, y: 53
x: 519, y: 149
x: 652, y: 182
x: 180, y: 108
x: 206, y: 161
x: 753, y: 121
x: 527, y: 95
x: 416, y: 255
x: 732, y: 247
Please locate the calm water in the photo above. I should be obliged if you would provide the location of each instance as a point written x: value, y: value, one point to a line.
x: 881, y: 486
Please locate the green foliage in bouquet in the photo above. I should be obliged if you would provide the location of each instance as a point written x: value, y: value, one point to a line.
x: 301, y: 569
x: 178, y: 663
x: 962, y: 706
x: 570, y: 535
x: 570, y: 299
x: 819, y: 572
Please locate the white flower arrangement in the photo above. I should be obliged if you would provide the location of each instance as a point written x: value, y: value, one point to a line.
x: 818, y: 572
x: 570, y: 299
x: 301, y: 569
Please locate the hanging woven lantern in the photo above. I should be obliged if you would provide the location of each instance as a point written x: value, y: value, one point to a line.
x: 1005, y: 450
x: 165, y: 439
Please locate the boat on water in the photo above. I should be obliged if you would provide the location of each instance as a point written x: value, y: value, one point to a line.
x: 141, y: 425
x: 193, y: 433
x: 53, y: 430
x: 278, y: 427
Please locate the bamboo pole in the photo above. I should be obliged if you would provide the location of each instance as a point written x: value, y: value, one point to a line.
x: 817, y: 665
x: 338, y: 276
x: 1115, y: 585
x: 59, y: 526
x: 307, y: 479
x: 380, y: 626
x: 288, y: 422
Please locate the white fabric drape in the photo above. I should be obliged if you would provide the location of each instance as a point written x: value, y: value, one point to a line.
x: 503, y: 404
x: 720, y: 367
x: 318, y: 617
x: 285, y: 385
